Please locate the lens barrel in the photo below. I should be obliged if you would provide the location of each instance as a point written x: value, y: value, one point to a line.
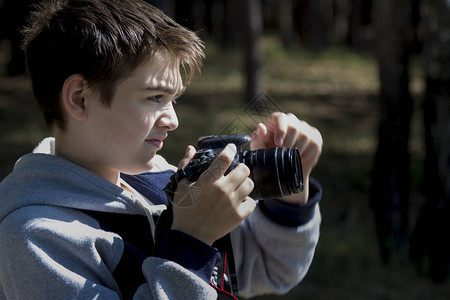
x: 276, y: 172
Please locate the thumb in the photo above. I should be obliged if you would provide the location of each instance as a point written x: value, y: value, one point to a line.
x: 258, y: 137
x: 190, y: 152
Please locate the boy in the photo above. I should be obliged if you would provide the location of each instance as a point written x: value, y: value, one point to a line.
x: 72, y: 224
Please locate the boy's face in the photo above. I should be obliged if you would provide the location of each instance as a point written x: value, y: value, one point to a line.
x: 126, y: 136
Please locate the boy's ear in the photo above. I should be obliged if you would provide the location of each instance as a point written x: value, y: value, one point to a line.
x: 73, y: 100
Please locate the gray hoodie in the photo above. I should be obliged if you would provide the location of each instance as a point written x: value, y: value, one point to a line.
x: 50, y: 249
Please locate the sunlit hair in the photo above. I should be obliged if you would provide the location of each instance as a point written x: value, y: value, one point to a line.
x: 103, y: 40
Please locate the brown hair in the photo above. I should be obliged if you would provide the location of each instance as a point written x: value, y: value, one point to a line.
x: 103, y: 40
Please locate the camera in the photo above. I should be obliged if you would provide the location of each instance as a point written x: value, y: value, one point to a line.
x: 276, y: 172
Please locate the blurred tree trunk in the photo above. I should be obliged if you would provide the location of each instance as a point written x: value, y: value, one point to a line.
x: 314, y: 19
x: 431, y: 234
x: 341, y: 20
x: 253, y: 31
x: 214, y: 19
x: 233, y: 23
x: 320, y: 22
x: 359, y: 17
x: 224, y: 21
x: 286, y: 22
x: 391, y: 177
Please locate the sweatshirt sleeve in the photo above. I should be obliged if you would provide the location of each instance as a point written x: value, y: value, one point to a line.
x: 292, y: 214
x: 273, y: 254
x: 190, y: 253
x: 182, y: 269
x: 55, y: 253
x: 46, y: 254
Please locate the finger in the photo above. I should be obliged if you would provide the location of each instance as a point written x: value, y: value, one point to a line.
x: 277, y: 125
x: 311, y: 138
x: 302, y: 143
x: 269, y: 140
x: 293, y: 130
x: 247, y: 207
x: 244, y: 189
x: 303, y: 136
x: 310, y: 156
x: 190, y: 152
x: 293, y: 136
x: 237, y: 176
x: 220, y: 165
x: 258, y: 137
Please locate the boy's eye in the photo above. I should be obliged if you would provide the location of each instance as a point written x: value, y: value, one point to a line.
x: 156, y: 98
x: 160, y: 98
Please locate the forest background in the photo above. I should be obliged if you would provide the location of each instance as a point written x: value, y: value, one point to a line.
x: 372, y: 75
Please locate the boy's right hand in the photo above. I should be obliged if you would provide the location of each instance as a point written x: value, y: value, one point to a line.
x: 215, y: 204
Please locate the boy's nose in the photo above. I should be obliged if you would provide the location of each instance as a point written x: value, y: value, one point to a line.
x: 169, y: 119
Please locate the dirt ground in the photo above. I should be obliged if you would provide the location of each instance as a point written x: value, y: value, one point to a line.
x: 336, y: 92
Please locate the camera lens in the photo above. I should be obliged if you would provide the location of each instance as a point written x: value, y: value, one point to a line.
x: 276, y: 172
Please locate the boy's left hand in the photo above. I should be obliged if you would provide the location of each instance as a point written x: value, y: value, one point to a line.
x: 286, y: 130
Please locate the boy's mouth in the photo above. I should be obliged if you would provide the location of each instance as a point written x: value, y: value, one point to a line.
x: 156, y: 142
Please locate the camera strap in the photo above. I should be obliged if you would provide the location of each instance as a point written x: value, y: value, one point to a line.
x: 226, y: 269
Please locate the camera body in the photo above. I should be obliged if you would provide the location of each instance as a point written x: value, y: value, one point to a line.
x: 276, y: 172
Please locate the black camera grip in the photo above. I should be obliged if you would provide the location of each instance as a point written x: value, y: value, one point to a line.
x: 191, y: 173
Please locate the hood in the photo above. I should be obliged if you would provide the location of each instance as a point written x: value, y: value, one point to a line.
x: 45, y: 179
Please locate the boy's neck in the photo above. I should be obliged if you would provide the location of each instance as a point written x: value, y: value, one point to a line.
x: 65, y: 148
